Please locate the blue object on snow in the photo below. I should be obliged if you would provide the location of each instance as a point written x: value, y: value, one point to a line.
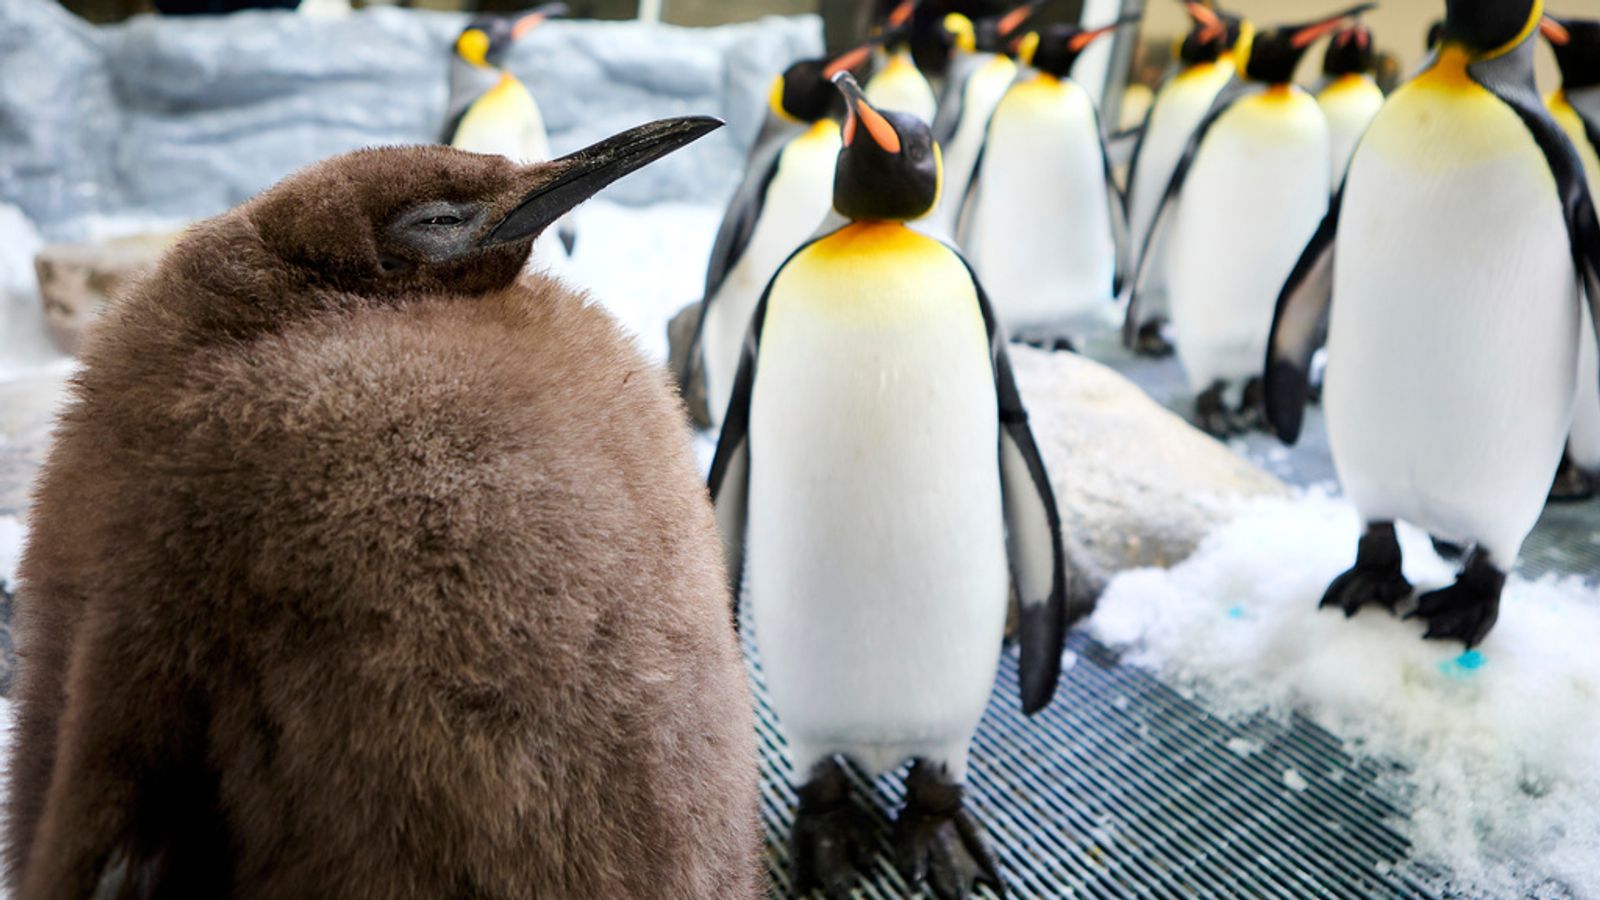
x: 1464, y: 665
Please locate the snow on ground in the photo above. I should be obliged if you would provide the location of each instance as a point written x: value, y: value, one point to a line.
x: 1501, y: 747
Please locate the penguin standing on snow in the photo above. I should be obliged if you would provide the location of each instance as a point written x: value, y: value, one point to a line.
x: 1207, y: 59
x: 1351, y: 96
x: 1452, y: 262
x: 490, y: 111
x: 780, y: 204
x: 899, y: 85
x: 1044, y: 224
x: 1245, y: 196
x: 979, y: 76
x: 328, y: 593
x: 1576, y: 107
x: 875, y: 523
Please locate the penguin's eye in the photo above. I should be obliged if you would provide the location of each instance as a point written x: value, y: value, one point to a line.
x: 442, y: 220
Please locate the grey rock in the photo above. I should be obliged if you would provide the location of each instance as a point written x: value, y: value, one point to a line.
x: 1137, y: 485
x: 183, y: 118
x: 77, y: 280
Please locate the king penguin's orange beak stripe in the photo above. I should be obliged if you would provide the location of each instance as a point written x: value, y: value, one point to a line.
x: 1211, y: 26
x: 1084, y: 38
x: 1555, y: 32
x: 847, y: 60
x: 1013, y: 20
x: 902, y: 13
x: 883, y: 134
x: 526, y: 24
x: 1310, y: 34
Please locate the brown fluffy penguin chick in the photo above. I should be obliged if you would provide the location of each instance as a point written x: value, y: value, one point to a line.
x: 360, y: 569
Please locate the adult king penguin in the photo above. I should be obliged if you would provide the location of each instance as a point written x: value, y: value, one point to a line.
x: 362, y: 567
x: 1207, y: 60
x: 490, y: 111
x: 1044, y: 224
x: 1461, y: 233
x: 780, y: 204
x: 1351, y: 96
x: 898, y: 84
x: 1247, y: 193
x: 979, y: 76
x: 1576, y: 107
x: 875, y: 473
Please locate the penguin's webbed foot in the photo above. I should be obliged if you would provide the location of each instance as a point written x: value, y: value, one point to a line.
x: 1467, y: 610
x: 1375, y: 579
x: 1252, y: 412
x: 1573, y: 484
x: 832, y: 838
x: 937, y: 843
x: 1150, y: 342
x: 1211, y: 414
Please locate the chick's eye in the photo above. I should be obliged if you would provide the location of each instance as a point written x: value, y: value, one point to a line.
x: 443, y: 220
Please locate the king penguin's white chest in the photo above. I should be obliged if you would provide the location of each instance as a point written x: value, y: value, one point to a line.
x: 1256, y: 193
x: 1040, y: 236
x: 504, y: 121
x: 1453, y: 334
x: 876, y: 542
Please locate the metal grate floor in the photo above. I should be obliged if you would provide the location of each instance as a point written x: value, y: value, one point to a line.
x: 1124, y: 787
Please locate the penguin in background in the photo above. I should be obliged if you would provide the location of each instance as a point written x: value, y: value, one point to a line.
x: 1208, y: 59
x: 1351, y: 96
x: 1044, y: 225
x: 782, y: 201
x: 979, y: 76
x: 898, y: 84
x: 1244, y: 198
x: 879, y: 531
x: 1446, y: 277
x: 491, y: 111
x: 1576, y: 108
x: 328, y: 594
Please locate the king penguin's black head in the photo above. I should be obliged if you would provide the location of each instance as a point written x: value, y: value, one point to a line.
x: 1276, y: 53
x: 1208, y: 36
x: 889, y: 167
x: 487, y: 39
x: 1489, y: 28
x: 1350, y: 53
x: 1055, y: 48
x: 1577, y: 46
x: 805, y: 92
x: 990, y: 34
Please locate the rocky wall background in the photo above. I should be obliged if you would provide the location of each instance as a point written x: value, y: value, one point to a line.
x: 182, y: 118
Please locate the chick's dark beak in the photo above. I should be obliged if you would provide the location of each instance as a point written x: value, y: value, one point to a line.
x: 581, y: 175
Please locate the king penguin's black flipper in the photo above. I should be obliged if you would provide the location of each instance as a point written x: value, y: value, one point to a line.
x: 1033, y: 529
x: 1510, y: 78
x: 733, y: 237
x: 1118, y: 203
x: 729, y: 479
x: 1299, y: 327
x: 1235, y: 91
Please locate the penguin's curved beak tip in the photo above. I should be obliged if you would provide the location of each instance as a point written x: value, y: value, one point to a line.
x: 862, y: 113
x: 1314, y: 32
x: 580, y: 175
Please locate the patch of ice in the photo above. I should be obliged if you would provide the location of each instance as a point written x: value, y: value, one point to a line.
x: 1243, y: 746
x: 1501, y: 749
x: 1294, y: 781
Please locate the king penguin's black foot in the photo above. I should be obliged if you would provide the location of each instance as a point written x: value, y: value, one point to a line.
x: 937, y: 844
x: 1449, y: 551
x: 1252, y: 413
x: 1466, y: 610
x: 1375, y: 579
x: 1149, y: 342
x: 1211, y: 414
x: 1573, y: 484
x: 832, y: 837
